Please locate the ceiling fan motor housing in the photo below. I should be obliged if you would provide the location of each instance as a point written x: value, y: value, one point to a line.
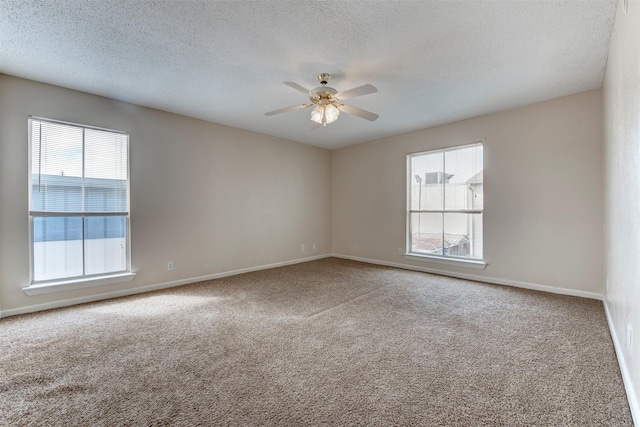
x: 323, y: 95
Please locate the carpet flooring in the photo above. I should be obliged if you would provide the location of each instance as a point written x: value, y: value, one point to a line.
x: 330, y: 342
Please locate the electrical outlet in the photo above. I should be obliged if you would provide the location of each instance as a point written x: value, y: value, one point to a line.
x: 302, y: 248
x: 629, y: 337
x: 170, y: 266
x: 400, y: 251
x: 314, y: 246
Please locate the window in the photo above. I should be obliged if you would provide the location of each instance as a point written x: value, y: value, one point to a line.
x: 445, y: 201
x: 78, y: 202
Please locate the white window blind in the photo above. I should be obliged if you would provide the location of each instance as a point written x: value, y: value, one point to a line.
x: 79, y: 201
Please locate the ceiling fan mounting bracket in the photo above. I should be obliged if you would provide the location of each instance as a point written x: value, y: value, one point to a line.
x: 324, y: 78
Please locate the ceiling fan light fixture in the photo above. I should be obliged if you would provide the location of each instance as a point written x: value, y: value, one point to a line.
x: 331, y: 113
x: 324, y: 114
x: 317, y: 114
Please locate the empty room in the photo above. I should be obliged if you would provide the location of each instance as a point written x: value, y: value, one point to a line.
x: 303, y: 213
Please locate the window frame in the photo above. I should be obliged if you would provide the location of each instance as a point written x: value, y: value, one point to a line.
x: 478, y: 263
x: 85, y: 280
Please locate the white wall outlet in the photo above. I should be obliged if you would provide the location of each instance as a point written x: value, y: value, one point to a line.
x: 629, y: 337
x: 400, y: 251
x: 314, y: 246
x: 302, y: 248
x: 170, y: 266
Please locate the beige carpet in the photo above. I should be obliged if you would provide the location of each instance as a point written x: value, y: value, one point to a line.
x: 329, y: 342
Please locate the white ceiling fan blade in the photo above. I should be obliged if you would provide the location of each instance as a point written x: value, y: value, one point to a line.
x: 284, y: 110
x: 364, y: 114
x: 358, y: 91
x: 297, y: 87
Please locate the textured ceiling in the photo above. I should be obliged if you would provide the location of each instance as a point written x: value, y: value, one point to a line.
x: 433, y: 62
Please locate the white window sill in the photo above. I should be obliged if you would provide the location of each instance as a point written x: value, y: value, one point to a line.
x: 457, y: 262
x: 68, y: 285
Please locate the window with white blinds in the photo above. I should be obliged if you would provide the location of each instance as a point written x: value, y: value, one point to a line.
x: 79, y: 201
x: 445, y: 203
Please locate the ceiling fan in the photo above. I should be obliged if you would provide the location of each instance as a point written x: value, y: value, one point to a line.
x: 328, y: 102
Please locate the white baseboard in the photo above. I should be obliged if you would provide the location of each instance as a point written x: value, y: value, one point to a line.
x: 154, y: 287
x: 634, y: 404
x: 149, y: 288
x: 493, y: 280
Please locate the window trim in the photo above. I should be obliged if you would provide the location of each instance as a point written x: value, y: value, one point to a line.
x: 477, y: 263
x: 84, y: 281
x: 449, y: 260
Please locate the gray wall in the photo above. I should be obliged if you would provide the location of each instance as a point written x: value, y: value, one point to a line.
x: 622, y: 190
x: 210, y: 198
x: 543, y: 195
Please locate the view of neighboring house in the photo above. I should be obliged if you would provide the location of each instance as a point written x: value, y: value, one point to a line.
x: 446, y: 206
x: 78, y: 245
